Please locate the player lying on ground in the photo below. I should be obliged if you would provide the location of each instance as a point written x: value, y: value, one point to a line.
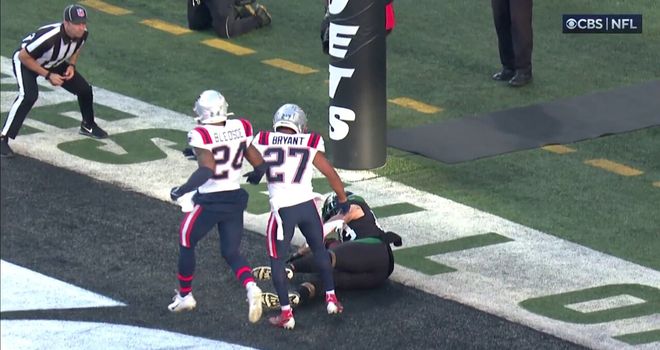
x: 359, y: 250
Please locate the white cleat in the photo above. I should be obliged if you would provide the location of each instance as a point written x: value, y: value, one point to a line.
x: 180, y: 303
x: 254, y: 300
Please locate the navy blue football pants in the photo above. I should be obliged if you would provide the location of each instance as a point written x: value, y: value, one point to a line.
x: 306, y: 217
x: 195, y: 226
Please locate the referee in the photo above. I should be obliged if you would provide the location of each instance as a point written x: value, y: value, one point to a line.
x: 52, y: 52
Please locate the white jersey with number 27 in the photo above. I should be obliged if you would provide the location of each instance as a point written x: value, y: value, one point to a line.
x: 290, y: 159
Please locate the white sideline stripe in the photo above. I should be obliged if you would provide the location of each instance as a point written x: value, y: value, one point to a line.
x: 24, y: 289
x: 493, y: 278
x: 75, y: 335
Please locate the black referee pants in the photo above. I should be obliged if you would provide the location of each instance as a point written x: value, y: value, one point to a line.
x: 513, y: 23
x: 28, y: 92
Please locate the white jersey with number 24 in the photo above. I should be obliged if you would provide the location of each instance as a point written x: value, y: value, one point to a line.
x: 228, y: 144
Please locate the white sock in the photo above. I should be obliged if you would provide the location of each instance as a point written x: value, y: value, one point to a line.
x: 250, y: 285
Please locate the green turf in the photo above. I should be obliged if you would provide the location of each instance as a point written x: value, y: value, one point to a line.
x: 395, y: 209
x: 441, y: 53
x: 641, y: 337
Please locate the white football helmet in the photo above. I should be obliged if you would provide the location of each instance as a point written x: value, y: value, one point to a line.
x: 211, y: 107
x: 290, y: 116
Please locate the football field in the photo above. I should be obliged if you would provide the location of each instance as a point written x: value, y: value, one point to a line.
x: 532, y: 249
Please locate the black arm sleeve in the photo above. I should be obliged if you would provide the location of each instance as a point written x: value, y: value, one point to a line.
x: 196, y: 179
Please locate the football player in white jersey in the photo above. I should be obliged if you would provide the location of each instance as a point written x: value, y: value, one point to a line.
x: 220, y: 145
x: 291, y: 153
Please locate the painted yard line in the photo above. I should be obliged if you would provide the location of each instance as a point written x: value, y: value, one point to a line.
x: 559, y: 149
x: 289, y: 66
x: 617, y: 168
x: 494, y: 278
x: 58, y: 334
x: 224, y: 45
x: 166, y: 27
x: 20, y: 285
x: 421, y: 107
x: 23, y: 290
x: 105, y: 7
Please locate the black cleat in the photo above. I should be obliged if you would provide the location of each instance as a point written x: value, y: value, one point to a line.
x: 505, y: 75
x: 92, y: 130
x: 520, y: 79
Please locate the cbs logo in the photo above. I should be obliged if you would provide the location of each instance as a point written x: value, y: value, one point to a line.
x: 571, y: 23
x: 584, y: 23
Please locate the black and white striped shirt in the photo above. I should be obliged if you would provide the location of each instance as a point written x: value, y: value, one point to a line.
x: 50, y: 45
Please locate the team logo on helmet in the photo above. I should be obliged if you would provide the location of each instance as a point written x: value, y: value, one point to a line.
x: 290, y: 116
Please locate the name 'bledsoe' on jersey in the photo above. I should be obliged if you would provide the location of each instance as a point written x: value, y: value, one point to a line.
x: 228, y: 143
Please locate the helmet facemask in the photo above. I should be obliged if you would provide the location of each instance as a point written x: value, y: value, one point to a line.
x: 331, y: 204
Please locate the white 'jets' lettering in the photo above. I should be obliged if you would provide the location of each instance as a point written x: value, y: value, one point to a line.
x: 347, y: 33
x: 337, y: 6
x: 340, y: 39
x: 339, y: 129
x: 335, y: 77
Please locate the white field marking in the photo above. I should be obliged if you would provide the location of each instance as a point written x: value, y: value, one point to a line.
x: 74, y: 335
x: 605, y: 303
x: 8, y: 80
x: 493, y: 278
x: 24, y: 289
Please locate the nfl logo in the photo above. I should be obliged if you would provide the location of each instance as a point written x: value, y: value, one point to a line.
x: 81, y: 12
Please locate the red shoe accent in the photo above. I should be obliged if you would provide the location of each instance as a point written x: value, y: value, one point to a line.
x: 333, y: 305
x: 283, y: 320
